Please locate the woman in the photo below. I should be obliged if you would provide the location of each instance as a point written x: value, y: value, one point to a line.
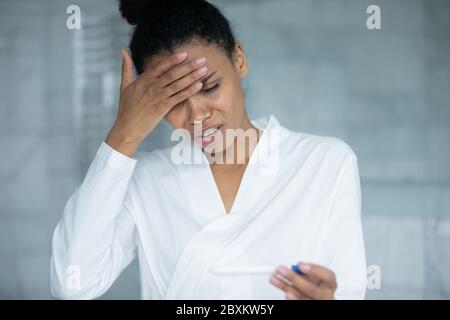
x: 214, y: 229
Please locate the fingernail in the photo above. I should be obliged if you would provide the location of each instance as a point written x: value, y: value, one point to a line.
x: 122, y: 53
x: 274, y: 280
x: 202, y: 71
x: 199, y: 61
x: 290, y: 296
x: 282, y: 270
x: 181, y: 55
x: 304, y: 266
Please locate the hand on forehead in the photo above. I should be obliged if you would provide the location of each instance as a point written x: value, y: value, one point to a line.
x: 194, y: 50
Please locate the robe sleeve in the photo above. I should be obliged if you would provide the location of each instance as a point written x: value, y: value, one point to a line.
x: 96, y: 237
x: 345, y: 244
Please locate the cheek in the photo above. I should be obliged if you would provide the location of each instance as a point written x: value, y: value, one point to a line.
x: 224, y: 98
x: 230, y: 99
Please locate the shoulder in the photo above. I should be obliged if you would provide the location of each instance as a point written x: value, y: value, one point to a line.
x: 325, y: 159
x: 318, y: 146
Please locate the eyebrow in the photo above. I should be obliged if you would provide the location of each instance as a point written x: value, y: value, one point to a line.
x: 204, y: 80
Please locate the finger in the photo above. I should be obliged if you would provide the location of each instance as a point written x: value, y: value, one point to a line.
x: 281, y: 284
x: 183, y: 95
x: 184, y: 82
x: 325, y: 275
x: 127, y: 70
x: 294, y: 296
x: 303, y: 285
x: 166, y: 64
x: 180, y: 71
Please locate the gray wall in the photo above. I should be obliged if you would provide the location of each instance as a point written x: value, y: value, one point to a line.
x: 313, y: 63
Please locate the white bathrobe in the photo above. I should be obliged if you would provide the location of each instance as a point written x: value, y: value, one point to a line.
x: 299, y: 200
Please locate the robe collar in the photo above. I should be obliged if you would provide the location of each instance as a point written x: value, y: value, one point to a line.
x: 201, y: 189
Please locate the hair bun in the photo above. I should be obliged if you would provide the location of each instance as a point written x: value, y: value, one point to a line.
x: 135, y: 11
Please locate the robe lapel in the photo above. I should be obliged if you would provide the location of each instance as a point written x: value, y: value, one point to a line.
x: 261, y: 170
x: 191, y: 278
x: 201, y: 191
x: 200, y: 187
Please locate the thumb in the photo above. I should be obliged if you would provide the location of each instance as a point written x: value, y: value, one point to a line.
x: 127, y: 70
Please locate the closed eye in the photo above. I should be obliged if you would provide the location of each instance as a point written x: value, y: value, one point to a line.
x: 208, y: 90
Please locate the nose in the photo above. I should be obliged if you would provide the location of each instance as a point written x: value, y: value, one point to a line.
x: 198, y: 111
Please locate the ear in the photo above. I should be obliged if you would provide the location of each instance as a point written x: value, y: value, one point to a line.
x: 240, y: 61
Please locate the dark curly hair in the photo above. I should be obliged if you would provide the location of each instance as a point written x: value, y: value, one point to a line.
x: 164, y: 25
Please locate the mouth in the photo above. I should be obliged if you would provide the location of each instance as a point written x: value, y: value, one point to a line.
x: 209, y: 135
x: 210, y: 131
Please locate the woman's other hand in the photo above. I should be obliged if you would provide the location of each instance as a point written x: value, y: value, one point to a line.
x: 317, y: 283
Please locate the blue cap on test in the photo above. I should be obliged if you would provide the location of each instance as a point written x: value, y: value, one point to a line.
x: 296, y: 269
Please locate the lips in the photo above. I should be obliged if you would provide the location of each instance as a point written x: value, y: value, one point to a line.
x: 209, y: 135
x: 209, y: 130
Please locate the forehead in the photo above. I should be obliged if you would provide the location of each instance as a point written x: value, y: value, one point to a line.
x: 214, y: 55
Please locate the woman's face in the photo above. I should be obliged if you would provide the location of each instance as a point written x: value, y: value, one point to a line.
x: 220, y: 102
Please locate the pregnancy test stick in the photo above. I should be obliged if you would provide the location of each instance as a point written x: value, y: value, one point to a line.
x: 249, y: 270
x: 243, y: 270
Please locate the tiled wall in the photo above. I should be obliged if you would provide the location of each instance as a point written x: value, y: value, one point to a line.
x: 313, y: 63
